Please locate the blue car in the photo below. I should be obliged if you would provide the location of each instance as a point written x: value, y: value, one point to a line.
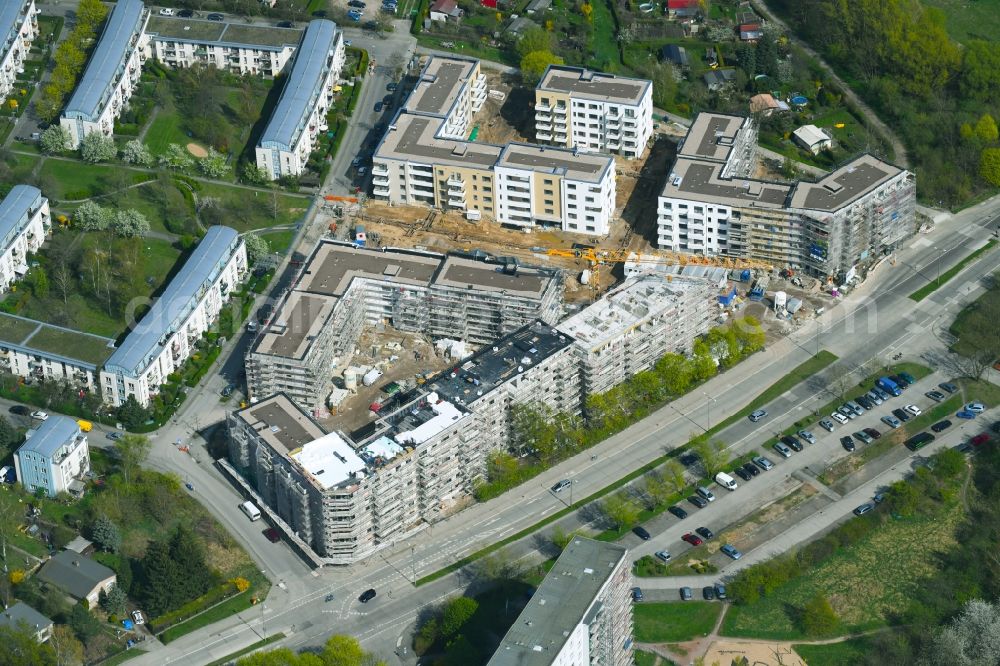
x: 731, y: 552
x: 354, y: 16
x: 966, y: 414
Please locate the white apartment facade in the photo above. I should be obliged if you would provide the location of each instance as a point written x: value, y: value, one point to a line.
x: 631, y: 327
x: 34, y: 350
x: 594, y: 112
x: 111, y: 75
x: 580, y: 615
x: 25, y: 223
x: 300, y: 114
x: 54, y: 458
x: 425, y: 158
x: 166, y: 336
x: 19, y: 27
x: 234, y: 47
x: 830, y: 228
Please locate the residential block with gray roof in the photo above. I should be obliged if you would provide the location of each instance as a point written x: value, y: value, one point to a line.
x: 593, y: 111
x: 342, y: 288
x: 236, y: 47
x: 55, y: 457
x: 300, y: 114
x: 23, y: 616
x: 165, y: 337
x: 581, y: 614
x: 18, y: 28
x: 111, y: 75
x: 25, y: 223
x: 831, y: 228
x: 427, y: 156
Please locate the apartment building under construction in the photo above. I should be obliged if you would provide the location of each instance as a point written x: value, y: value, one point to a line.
x: 342, y: 288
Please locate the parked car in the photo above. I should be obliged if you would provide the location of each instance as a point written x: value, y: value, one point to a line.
x: 847, y: 412
x: 115, y: 436
x: 662, y: 555
x: 392, y: 86
x: 636, y: 594
x: 873, y: 433
x: 880, y: 392
x: 742, y: 473
x: 354, y: 15
x: 891, y: 421
x: 976, y: 407
x: 705, y: 493
x: 367, y: 596
x: 185, y: 13
x: 166, y: 11
x: 827, y: 424
x: 272, y: 535
x: 948, y: 386
x: 919, y: 441
x: 757, y: 415
x: 900, y: 381
x: 708, y: 593
x: 874, y: 397
x: 720, y: 590
x: 913, y: 409
x: 20, y: 410
x: 387, y: 100
x: 762, y: 462
x: 941, y: 426
x: 792, y: 442
x: 699, y: 502
x: 782, y: 450
x: 863, y: 437
x: 138, y: 618
x: 677, y: 511
x: 216, y: 17
x: 864, y: 508
x: 283, y: 24
x: 705, y: 533
x: 808, y: 436
x: 907, y: 377
x: 966, y: 414
x: 751, y: 469
x: 686, y: 594
x: 980, y: 439
x: 855, y: 407
x: 839, y: 418
x: 847, y: 443
x: 692, y: 539
x: 865, y: 402
x: 39, y: 415
x: 936, y: 396
x: 731, y: 551
x: 641, y: 533
x: 378, y: 107
x: 228, y: 390
x: 902, y: 414
x: 356, y: 3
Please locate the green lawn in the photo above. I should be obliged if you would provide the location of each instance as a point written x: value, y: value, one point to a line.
x: 71, y: 343
x: 603, y: 45
x: 967, y: 21
x: 645, y: 658
x: 865, y: 582
x: 231, y: 606
x: 976, y: 321
x: 122, y: 657
x: 844, y: 653
x: 165, y: 130
x: 674, y: 621
x: 70, y: 179
x: 252, y: 209
x: 279, y: 240
x: 939, y: 281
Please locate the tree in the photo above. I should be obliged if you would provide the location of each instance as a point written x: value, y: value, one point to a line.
x: 188, y: 554
x: 620, y: 512
x: 20, y: 648
x: 986, y: 129
x: 68, y: 650
x: 84, y: 625
x: 105, y: 533
x: 11, y: 514
x: 135, y: 152
x: 160, y: 576
x: 456, y: 613
x: 341, y: 650
x: 818, y: 616
x: 176, y: 157
x: 534, y: 39
x: 55, y: 139
x: 989, y: 165
x: 711, y: 453
x: 39, y: 282
x: 972, y: 638
x: 214, y: 164
x: 980, y: 76
x: 673, y: 475
x: 426, y: 636
x: 254, y: 175
x: 113, y: 601
x: 96, y: 147
x: 534, y: 64
x: 531, y: 430
x: 257, y: 247
x: 129, y: 223
x: 90, y: 216
x: 132, y: 451
x: 561, y: 538
x: 90, y: 13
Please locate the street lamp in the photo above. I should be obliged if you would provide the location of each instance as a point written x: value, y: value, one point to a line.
x: 710, y: 401
x: 263, y: 631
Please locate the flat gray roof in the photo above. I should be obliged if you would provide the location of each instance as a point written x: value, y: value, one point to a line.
x: 287, y: 424
x: 146, y: 340
x: 439, y: 85
x: 15, y: 212
x: 300, y: 318
x: 228, y: 34
x: 333, y: 266
x: 113, y: 48
x: 463, y: 273
x: 307, y: 72
x: 560, y: 604
x: 834, y: 191
x: 12, y: 15
x: 559, y: 161
x: 702, y: 181
x: 53, y: 434
x: 598, y: 86
x: 413, y: 137
x: 711, y: 136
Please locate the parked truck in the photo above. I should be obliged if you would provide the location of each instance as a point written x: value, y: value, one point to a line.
x: 889, y: 386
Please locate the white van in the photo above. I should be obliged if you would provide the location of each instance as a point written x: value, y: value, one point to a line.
x: 726, y: 481
x: 253, y: 513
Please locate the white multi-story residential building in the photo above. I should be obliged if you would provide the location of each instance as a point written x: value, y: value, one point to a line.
x: 425, y: 157
x: 236, y: 47
x: 581, y: 614
x: 54, y: 458
x: 19, y: 26
x: 344, y: 500
x: 593, y: 111
x: 831, y: 228
x: 25, y: 223
x: 631, y: 327
x: 111, y: 75
x: 342, y: 288
x: 35, y: 350
x: 166, y: 336
x: 300, y: 114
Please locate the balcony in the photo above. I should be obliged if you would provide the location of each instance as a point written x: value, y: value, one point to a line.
x: 380, y: 168
x: 456, y: 202
x: 543, y: 135
x: 380, y: 180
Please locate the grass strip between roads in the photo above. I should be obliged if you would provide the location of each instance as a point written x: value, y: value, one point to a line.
x: 797, y: 375
x: 934, y: 285
x: 273, y: 638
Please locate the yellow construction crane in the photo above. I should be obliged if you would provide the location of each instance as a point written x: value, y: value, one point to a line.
x: 596, y: 257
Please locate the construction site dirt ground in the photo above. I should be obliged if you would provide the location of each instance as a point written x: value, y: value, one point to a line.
x: 354, y: 412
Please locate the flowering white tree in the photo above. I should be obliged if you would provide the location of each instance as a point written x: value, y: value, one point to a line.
x: 129, y: 223
x: 91, y: 217
x: 96, y: 147
x: 135, y: 152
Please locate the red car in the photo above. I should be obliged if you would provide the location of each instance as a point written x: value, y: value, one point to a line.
x: 272, y: 535
x: 980, y: 439
x: 692, y: 539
